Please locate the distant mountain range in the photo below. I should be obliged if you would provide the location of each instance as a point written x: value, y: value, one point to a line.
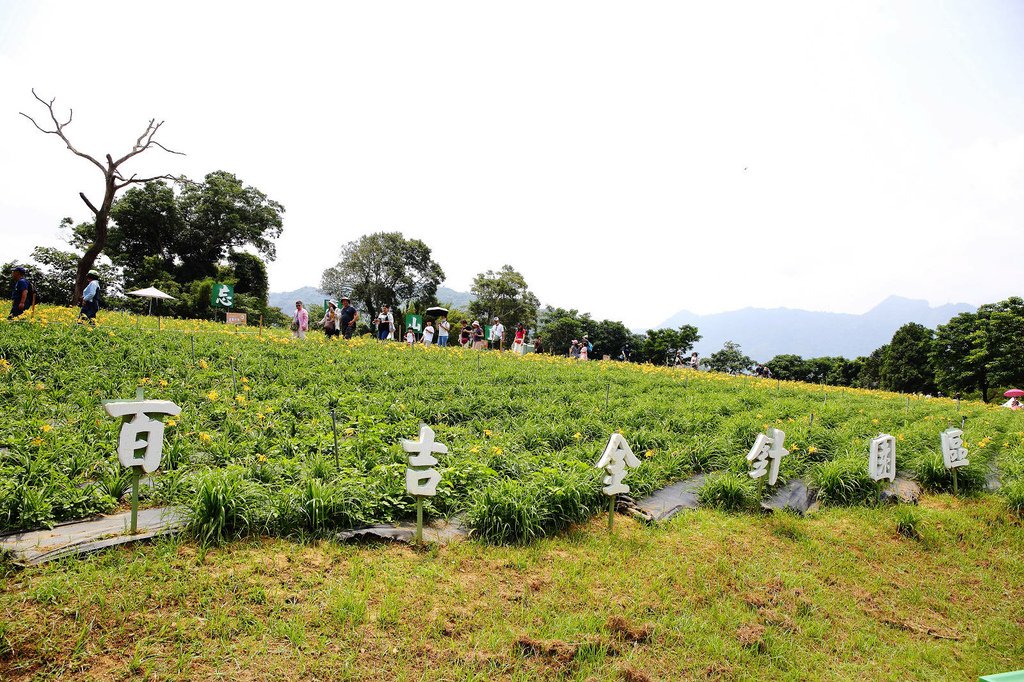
x: 764, y: 333
x: 285, y: 300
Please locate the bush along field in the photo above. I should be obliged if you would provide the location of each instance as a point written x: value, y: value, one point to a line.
x: 252, y: 452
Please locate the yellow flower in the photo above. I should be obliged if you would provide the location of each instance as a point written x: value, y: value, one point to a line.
x: 37, y: 441
x: 487, y: 432
x: 350, y: 431
x: 475, y: 449
x: 163, y: 383
x: 46, y: 428
x: 240, y: 399
x: 170, y: 422
x: 811, y: 449
x: 875, y: 421
x: 204, y: 437
x: 649, y: 454
x: 260, y: 415
x: 212, y: 395
x: 578, y: 435
x: 4, y: 365
x: 40, y: 386
x: 203, y: 365
x: 143, y: 381
x: 901, y: 437
x: 245, y: 380
x: 262, y: 458
x: 496, y: 450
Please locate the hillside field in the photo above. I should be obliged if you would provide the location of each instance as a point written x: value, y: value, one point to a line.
x: 258, y: 590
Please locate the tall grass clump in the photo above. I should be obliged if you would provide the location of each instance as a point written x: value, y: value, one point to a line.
x: 506, y: 512
x: 1013, y: 493
x: 932, y: 474
x: 908, y: 522
x: 225, y: 506
x: 844, y: 481
x: 728, y: 492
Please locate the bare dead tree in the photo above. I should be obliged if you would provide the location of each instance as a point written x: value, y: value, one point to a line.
x: 113, y: 181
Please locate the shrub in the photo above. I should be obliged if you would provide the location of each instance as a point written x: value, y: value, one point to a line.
x: 225, y: 505
x: 844, y: 481
x: 505, y: 512
x: 729, y: 492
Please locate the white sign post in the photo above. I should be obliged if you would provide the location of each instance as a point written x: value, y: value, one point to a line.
x: 420, y: 479
x: 617, y: 456
x: 954, y: 454
x: 137, y: 422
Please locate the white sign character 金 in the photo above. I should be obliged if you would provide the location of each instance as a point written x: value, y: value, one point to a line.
x: 617, y: 456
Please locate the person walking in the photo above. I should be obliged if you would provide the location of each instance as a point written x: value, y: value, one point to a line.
x: 538, y: 347
x: 443, y: 329
x: 90, y: 298
x: 385, y: 323
x: 497, y: 335
x: 574, y: 349
x: 300, y: 321
x: 410, y: 337
x: 347, y: 316
x: 428, y: 333
x: 465, y: 335
x: 20, y: 294
x: 584, y: 350
x: 331, y: 323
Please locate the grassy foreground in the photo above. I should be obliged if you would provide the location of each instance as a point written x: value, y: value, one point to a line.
x: 838, y: 595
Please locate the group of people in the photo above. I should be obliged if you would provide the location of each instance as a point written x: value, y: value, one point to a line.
x: 340, y: 320
x: 337, y: 320
x: 23, y: 296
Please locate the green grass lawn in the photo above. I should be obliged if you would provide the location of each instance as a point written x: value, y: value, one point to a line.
x: 839, y: 595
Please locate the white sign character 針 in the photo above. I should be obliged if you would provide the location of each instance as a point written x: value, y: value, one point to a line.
x: 767, y: 454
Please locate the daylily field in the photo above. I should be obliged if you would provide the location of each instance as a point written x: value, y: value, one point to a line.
x: 260, y: 589
x: 252, y: 451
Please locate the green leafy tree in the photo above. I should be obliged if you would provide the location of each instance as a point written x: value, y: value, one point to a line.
x: 146, y: 236
x: 1005, y: 332
x: 729, y: 359
x: 222, y: 214
x: 906, y: 365
x: 558, y: 327
x: 960, y: 355
x: 504, y: 294
x: 869, y: 375
x: 789, y: 367
x: 660, y: 346
x: 384, y: 268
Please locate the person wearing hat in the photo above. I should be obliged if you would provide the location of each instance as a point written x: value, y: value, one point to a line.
x: 444, y: 328
x: 478, y: 336
x: 497, y: 334
x: 331, y: 323
x: 347, y: 318
x: 19, y: 295
x: 90, y: 298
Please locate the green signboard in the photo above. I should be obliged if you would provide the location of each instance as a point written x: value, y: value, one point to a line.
x: 414, y: 322
x: 222, y: 295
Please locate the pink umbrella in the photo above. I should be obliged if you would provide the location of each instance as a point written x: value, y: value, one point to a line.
x: 1014, y: 393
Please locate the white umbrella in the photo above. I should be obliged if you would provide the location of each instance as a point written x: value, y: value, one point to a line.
x: 151, y: 293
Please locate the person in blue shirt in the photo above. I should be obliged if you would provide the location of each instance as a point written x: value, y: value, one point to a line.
x: 19, y: 296
x: 91, y: 298
x: 349, y: 316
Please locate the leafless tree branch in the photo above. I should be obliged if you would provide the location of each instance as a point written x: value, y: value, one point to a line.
x: 88, y: 203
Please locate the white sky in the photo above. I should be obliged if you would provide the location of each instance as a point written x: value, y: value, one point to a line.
x: 631, y: 159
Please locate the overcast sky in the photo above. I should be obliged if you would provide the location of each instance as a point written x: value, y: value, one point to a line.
x: 630, y: 159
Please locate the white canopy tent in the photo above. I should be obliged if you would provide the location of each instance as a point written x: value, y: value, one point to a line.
x: 151, y: 293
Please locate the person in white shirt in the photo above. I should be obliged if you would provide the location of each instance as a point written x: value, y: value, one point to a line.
x: 90, y: 298
x: 497, y: 334
x: 443, y: 328
x: 428, y: 333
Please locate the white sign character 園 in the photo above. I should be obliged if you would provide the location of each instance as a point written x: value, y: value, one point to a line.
x: 882, y: 458
x: 420, y: 478
x: 617, y: 456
